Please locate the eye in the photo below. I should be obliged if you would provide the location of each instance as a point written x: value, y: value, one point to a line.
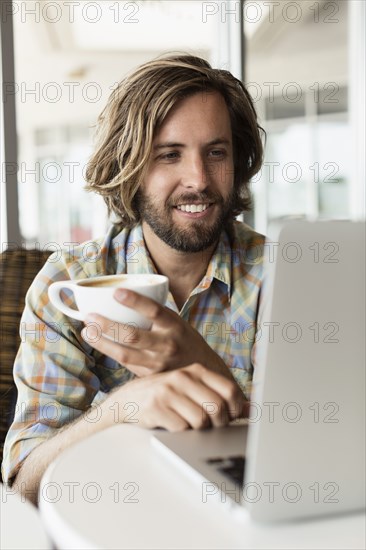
x: 217, y: 153
x: 171, y: 155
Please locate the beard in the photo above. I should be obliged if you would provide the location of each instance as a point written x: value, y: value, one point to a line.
x: 199, y: 234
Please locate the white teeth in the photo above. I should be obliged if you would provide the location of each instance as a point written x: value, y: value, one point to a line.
x: 193, y: 207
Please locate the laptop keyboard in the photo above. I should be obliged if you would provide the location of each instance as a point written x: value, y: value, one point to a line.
x: 231, y: 467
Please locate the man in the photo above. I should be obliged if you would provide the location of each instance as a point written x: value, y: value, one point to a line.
x: 178, y: 144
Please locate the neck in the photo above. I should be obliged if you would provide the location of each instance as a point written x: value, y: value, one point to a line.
x: 184, y: 269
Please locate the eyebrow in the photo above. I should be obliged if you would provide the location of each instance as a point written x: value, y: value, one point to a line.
x: 168, y: 144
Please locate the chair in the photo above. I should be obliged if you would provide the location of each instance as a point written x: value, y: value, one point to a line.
x: 18, y: 267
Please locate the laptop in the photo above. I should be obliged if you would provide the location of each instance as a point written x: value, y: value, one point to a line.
x: 301, y: 453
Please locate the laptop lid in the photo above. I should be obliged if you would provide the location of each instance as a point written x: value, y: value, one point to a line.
x: 306, y: 442
x: 305, y: 452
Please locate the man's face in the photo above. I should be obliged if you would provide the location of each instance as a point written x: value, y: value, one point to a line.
x: 187, y: 192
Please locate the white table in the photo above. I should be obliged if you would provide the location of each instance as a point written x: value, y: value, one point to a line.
x: 20, y: 524
x: 114, y: 490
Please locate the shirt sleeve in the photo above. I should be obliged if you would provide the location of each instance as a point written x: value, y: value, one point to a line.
x: 53, y: 370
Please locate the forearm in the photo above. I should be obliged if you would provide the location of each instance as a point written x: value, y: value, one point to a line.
x: 28, y: 479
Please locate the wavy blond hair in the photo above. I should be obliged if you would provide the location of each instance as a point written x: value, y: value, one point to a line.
x: 136, y: 110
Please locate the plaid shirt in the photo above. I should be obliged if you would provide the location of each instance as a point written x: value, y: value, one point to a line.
x: 59, y: 376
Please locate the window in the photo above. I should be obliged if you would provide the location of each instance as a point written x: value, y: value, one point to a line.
x: 298, y: 75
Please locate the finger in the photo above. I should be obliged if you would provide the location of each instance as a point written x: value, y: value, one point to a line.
x: 191, y: 412
x: 212, y: 407
x: 140, y: 362
x: 158, y: 314
x: 123, y: 333
x: 128, y: 334
x: 237, y: 405
x: 168, y: 419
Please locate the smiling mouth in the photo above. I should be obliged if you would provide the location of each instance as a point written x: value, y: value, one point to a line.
x: 193, y: 208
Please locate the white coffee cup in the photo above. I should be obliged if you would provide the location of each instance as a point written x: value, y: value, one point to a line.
x: 95, y: 295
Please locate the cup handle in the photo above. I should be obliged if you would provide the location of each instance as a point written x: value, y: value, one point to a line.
x: 54, y: 296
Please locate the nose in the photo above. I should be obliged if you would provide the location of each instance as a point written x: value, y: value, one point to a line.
x: 195, y: 174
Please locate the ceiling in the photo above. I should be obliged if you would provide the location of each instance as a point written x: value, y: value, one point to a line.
x: 84, y: 41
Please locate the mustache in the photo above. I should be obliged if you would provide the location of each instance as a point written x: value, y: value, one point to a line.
x: 205, y: 196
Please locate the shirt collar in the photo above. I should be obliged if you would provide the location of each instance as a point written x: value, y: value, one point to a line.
x: 220, y: 264
x: 138, y: 260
